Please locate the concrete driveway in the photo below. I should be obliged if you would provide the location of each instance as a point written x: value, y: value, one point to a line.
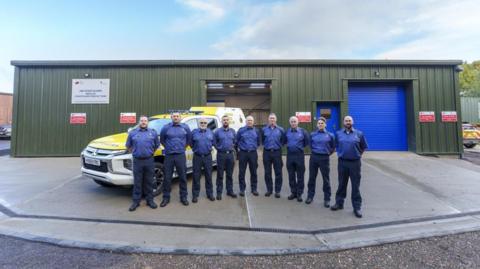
x: 405, y: 196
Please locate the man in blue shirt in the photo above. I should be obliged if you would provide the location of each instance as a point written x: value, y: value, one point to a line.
x: 175, y: 137
x: 224, y: 141
x: 142, y: 142
x: 297, y: 139
x: 273, y: 138
x: 248, y: 140
x: 350, y: 146
x: 322, y: 144
x: 202, y: 142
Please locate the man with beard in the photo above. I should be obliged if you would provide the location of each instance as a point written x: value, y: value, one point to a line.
x: 142, y: 142
x: 224, y: 141
x: 350, y: 144
x: 202, y: 141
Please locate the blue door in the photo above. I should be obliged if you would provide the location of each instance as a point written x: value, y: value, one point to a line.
x: 329, y: 111
x: 379, y: 111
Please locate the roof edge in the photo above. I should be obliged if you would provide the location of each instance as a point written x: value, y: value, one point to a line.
x: 92, y: 63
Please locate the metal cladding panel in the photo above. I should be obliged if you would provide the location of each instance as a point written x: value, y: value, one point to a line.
x: 436, y: 93
x: 43, y: 96
x: 45, y: 105
x: 471, y: 109
x: 379, y: 112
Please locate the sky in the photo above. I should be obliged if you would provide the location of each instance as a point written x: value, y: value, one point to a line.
x: 236, y: 29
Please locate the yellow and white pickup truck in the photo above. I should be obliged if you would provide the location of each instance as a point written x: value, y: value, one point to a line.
x: 107, y: 162
x: 471, y: 135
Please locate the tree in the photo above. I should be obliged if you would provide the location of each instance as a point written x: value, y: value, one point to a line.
x: 470, y: 79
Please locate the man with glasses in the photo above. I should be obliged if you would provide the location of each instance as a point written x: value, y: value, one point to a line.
x: 202, y: 142
x: 224, y: 142
x: 175, y: 137
x: 142, y: 142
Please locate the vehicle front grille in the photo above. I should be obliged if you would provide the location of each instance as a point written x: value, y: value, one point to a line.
x: 102, y: 168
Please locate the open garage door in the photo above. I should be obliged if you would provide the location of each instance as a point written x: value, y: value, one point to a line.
x: 253, y: 97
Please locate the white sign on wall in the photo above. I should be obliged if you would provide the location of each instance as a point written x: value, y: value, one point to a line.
x: 90, y: 91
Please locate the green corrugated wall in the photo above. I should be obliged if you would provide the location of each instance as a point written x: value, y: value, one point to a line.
x: 42, y: 98
x: 470, y: 109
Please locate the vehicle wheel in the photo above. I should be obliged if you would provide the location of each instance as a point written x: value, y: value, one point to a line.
x: 469, y: 146
x: 103, y: 183
x: 158, y: 178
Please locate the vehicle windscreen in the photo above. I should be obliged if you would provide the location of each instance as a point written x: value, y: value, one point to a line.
x: 468, y: 127
x: 157, y: 124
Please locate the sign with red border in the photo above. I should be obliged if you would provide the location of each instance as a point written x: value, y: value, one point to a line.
x: 426, y: 116
x: 128, y: 118
x: 78, y: 118
x: 304, y: 116
x: 449, y: 116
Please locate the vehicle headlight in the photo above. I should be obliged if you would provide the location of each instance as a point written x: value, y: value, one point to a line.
x: 127, y: 163
x: 9, y: 130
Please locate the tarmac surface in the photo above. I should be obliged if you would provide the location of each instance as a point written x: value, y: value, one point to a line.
x: 406, y: 197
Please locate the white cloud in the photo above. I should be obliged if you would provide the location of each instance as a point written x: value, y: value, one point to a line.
x: 452, y: 30
x: 357, y: 29
x: 204, y: 12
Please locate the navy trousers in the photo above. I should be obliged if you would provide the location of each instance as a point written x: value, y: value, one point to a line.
x: 273, y: 158
x: 250, y: 158
x: 349, y: 169
x: 179, y: 162
x: 225, y: 164
x: 322, y: 162
x: 143, y: 173
x: 296, y: 172
x: 199, y: 162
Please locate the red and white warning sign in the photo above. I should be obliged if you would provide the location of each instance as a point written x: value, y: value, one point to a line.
x: 426, y: 116
x: 78, y: 118
x: 449, y: 116
x: 128, y: 118
x: 304, y: 116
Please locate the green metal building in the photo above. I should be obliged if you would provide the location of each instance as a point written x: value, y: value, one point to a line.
x: 399, y: 104
x: 470, y: 109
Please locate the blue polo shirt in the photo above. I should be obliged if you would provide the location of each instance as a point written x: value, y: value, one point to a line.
x: 273, y: 137
x: 175, y: 138
x: 297, y: 140
x: 322, y: 142
x: 202, y: 141
x: 143, y: 142
x: 350, y: 145
x: 248, y: 138
x: 224, y: 139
